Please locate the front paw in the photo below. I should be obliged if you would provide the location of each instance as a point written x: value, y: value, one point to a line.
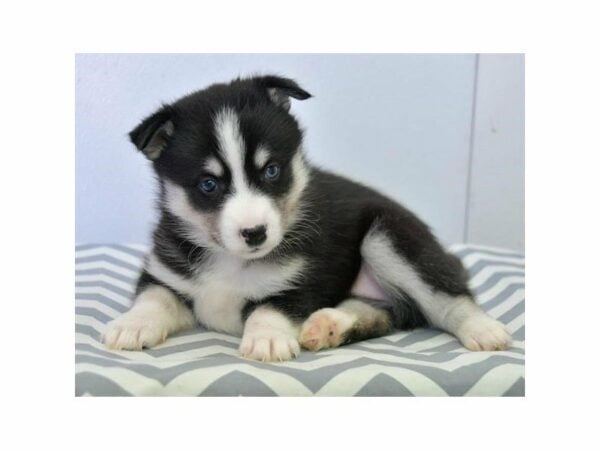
x: 133, y: 331
x: 482, y: 333
x: 269, y: 346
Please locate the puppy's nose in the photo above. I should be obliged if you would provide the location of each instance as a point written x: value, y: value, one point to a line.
x: 254, y: 236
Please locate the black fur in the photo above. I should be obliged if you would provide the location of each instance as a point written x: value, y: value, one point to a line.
x: 338, y: 212
x: 344, y: 211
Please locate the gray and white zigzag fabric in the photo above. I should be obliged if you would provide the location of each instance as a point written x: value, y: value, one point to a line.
x: 201, y: 362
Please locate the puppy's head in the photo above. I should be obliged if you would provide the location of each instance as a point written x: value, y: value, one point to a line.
x: 229, y: 162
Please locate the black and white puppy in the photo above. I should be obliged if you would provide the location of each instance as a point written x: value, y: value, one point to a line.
x: 254, y: 241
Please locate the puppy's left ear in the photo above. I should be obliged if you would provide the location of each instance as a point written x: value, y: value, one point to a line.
x: 281, y: 89
x: 153, y: 134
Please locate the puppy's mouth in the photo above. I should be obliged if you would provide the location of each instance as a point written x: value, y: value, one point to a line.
x: 257, y: 252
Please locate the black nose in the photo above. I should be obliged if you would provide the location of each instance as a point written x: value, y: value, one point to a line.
x: 254, y: 236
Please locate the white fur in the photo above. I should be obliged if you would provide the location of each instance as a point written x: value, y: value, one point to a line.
x: 223, y: 284
x: 214, y: 167
x: 246, y: 208
x: 269, y: 336
x: 177, y: 203
x: 155, y: 314
x: 231, y: 145
x: 261, y: 156
x: 458, y: 315
x: 301, y: 177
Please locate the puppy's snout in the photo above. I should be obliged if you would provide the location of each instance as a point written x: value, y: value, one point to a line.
x: 254, y: 236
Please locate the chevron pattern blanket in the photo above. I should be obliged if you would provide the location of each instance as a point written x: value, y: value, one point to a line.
x: 201, y: 362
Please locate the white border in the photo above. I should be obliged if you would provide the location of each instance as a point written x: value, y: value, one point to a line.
x: 562, y: 222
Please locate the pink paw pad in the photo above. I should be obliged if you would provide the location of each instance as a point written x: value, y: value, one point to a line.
x: 320, y: 331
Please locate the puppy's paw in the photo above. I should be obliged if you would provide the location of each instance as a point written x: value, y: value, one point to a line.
x: 325, y: 328
x: 134, y: 331
x: 269, y: 346
x: 482, y: 333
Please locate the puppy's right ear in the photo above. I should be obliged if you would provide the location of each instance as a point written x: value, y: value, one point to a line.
x: 153, y: 134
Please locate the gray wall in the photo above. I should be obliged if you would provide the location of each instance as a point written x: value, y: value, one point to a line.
x: 496, y: 194
x: 441, y: 133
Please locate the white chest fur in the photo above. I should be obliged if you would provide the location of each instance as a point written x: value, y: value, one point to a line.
x: 224, y: 284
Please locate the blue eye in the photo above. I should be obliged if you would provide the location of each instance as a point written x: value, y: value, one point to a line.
x: 208, y: 185
x: 272, y: 172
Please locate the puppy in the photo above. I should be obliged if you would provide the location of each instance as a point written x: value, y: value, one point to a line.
x: 255, y: 241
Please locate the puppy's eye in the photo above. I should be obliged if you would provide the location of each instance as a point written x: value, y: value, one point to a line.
x: 208, y: 185
x: 272, y: 172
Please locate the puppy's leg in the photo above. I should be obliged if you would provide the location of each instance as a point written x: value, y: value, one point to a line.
x: 462, y: 317
x: 413, y: 263
x: 269, y: 335
x: 352, y: 320
x: 155, y: 314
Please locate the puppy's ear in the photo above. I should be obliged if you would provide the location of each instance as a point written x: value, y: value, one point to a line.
x: 281, y: 89
x: 152, y: 135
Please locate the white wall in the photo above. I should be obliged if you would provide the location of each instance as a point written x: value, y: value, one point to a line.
x: 402, y: 123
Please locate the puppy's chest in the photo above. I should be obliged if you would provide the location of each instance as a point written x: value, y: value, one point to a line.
x: 225, y: 285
